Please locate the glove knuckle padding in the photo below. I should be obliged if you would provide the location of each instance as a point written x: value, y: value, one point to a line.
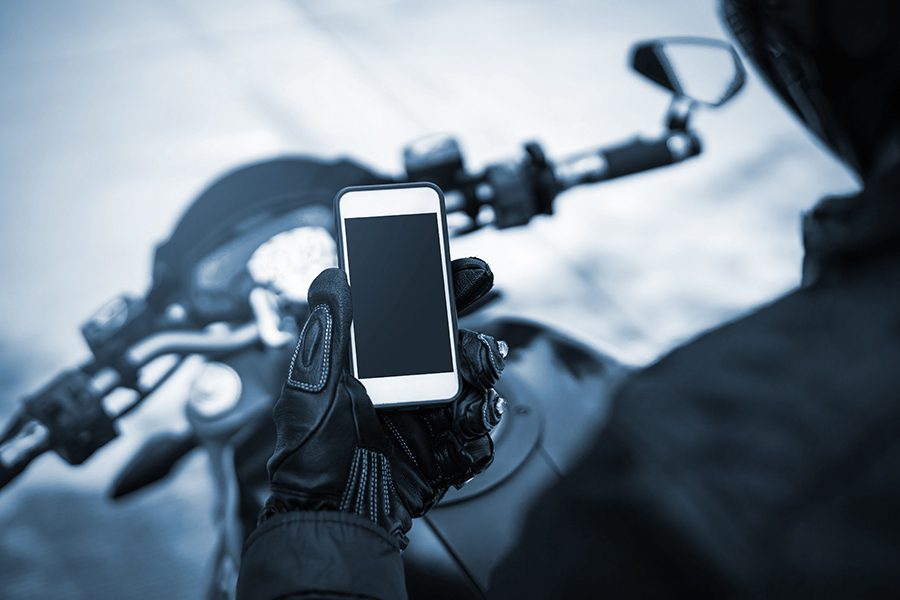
x: 480, y: 360
x: 462, y: 459
x: 435, y: 448
x: 480, y: 453
x: 429, y: 457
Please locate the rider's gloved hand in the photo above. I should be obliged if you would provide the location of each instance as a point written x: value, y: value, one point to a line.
x: 335, y: 452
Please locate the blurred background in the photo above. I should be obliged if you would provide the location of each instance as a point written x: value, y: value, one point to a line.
x: 114, y: 115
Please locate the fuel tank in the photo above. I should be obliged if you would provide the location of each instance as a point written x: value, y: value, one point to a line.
x: 558, y: 390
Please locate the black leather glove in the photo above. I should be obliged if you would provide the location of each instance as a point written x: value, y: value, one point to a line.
x: 335, y: 452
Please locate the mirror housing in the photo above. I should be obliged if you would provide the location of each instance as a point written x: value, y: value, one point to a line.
x: 686, y: 66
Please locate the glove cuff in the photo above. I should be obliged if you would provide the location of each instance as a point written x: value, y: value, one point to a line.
x: 283, y: 501
x: 370, y: 494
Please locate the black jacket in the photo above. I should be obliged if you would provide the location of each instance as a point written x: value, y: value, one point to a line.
x: 761, y: 459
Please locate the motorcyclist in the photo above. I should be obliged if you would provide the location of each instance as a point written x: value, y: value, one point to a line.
x: 760, y: 459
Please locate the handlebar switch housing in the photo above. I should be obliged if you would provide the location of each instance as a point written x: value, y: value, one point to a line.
x: 522, y: 189
x: 514, y: 201
x: 439, y: 159
x: 73, y: 414
x: 436, y: 158
x: 116, y: 325
x: 546, y: 188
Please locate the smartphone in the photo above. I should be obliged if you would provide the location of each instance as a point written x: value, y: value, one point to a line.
x: 394, y: 250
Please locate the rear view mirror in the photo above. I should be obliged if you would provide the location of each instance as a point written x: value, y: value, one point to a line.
x: 702, y: 70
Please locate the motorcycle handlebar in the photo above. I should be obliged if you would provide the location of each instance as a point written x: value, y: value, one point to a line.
x: 68, y: 416
x: 518, y: 190
x: 214, y: 340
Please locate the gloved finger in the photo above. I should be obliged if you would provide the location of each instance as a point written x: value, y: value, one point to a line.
x: 476, y: 414
x: 321, y: 350
x: 472, y: 279
x: 481, y: 359
x: 414, y: 433
x: 460, y: 460
x: 479, y: 454
x: 466, y: 447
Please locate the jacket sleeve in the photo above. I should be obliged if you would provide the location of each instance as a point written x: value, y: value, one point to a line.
x: 324, y: 555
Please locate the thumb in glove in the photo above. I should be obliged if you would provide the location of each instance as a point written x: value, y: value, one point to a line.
x: 331, y: 452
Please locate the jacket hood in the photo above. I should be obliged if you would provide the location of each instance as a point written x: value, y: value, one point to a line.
x: 835, y: 63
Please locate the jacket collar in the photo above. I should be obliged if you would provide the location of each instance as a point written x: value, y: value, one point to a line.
x: 842, y: 230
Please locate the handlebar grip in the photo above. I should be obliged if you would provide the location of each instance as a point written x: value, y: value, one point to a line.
x: 23, y: 441
x: 639, y: 155
x: 634, y: 156
x: 9, y: 472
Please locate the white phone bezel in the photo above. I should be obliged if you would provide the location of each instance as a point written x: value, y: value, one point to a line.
x: 379, y: 201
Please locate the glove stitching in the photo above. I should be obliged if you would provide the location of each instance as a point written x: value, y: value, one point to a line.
x: 376, y: 485
x: 359, y: 496
x: 484, y: 416
x: 401, y: 441
x: 427, y: 421
x: 384, y: 485
x: 354, y: 472
x: 325, y: 363
x: 367, y: 494
x: 372, y: 498
x: 482, y: 337
x: 390, y: 481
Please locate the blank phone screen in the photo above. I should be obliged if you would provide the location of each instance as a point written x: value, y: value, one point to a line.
x: 399, y: 299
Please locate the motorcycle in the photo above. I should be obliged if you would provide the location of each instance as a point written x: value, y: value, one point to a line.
x: 229, y: 286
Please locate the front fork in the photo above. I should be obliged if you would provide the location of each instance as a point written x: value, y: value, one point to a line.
x: 223, y: 570
x: 222, y: 415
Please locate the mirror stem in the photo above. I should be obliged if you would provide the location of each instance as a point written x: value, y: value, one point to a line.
x: 678, y: 117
